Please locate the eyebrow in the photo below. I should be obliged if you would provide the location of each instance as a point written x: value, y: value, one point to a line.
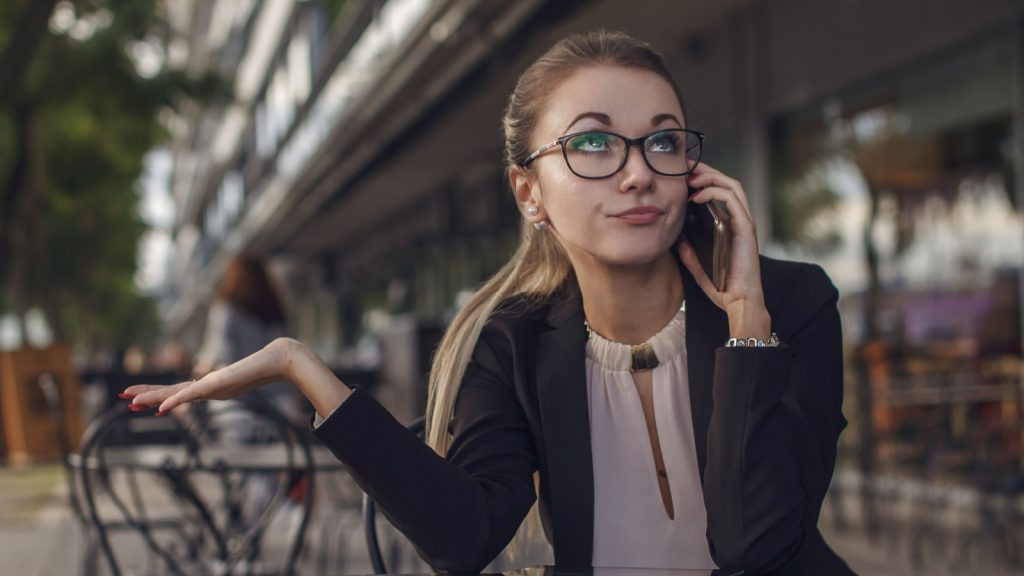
x: 607, y: 121
x: 600, y: 117
x: 658, y: 119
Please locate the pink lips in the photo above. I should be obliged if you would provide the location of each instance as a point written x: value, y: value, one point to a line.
x: 640, y: 215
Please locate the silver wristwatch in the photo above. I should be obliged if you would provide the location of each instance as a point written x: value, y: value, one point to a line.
x: 772, y: 341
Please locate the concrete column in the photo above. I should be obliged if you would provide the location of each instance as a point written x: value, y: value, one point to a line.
x: 752, y: 73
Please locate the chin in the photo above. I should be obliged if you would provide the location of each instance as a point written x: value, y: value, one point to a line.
x: 619, y: 252
x: 632, y: 257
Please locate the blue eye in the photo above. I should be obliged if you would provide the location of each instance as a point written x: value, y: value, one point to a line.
x: 588, y: 142
x: 662, y: 142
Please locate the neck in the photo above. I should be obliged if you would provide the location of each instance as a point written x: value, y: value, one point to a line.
x: 630, y: 304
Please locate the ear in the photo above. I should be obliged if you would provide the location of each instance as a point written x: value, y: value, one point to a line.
x: 527, y: 191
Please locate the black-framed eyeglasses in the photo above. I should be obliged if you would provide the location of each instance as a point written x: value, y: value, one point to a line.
x: 596, y: 154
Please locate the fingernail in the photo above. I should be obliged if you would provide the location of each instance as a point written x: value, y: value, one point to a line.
x: 125, y: 396
x: 161, y: 412
x: 136, y: 407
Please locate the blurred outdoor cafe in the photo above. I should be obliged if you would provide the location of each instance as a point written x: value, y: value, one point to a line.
x: 352, y: 148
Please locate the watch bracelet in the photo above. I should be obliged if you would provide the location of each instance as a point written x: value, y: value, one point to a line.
x: 772, y: 342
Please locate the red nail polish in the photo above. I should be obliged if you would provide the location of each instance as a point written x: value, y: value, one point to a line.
x: 125, y: 396
x: 161, y: 412
x: 136, y: 407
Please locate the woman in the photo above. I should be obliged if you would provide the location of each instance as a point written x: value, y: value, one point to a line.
x: 703, y: 455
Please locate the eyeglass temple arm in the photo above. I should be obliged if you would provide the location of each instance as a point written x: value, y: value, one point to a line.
x: 526, y: 161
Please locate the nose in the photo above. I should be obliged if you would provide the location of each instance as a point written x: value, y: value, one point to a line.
x: 637, y: 176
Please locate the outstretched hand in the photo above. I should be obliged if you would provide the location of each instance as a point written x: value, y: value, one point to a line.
x: 269, y: 364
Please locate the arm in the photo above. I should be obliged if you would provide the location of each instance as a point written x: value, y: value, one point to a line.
x: 282, y: 359
x: 776, y: 411
x: 772, y: 436
x: 459, y: 511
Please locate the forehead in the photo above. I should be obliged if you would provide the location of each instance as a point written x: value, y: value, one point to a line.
x: 630, y: 97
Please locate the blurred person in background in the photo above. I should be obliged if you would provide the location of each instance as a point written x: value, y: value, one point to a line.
x: 245, y: 316
x: 671, y: 424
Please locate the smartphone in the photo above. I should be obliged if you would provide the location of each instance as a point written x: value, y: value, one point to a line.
x: 707, y: 229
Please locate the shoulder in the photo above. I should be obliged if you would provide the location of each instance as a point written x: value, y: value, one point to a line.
x: 510, y: 329
x: 795, y: 291
x: 518, y: 317
x: 779, y: 277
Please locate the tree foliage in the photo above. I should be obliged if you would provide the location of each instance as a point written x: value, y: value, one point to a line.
x: 73, y: 134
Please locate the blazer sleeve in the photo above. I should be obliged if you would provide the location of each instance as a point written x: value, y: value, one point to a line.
x: 459, y: 511
x: 772, y: 438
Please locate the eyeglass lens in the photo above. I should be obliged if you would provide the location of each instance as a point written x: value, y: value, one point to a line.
x: 600, y: 154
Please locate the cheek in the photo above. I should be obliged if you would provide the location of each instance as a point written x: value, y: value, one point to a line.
x: 683, y: 211
x: 551, y: 189
x: 570, y: 206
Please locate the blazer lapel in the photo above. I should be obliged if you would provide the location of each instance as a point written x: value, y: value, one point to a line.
x: 707, y: 328
x: 565, y: 417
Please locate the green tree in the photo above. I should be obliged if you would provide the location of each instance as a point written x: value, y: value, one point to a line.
x: 76, y: 120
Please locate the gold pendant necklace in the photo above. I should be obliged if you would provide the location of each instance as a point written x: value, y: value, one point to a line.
x: 642, y: 356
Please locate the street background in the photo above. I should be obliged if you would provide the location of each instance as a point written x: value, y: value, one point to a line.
x: 351, y: 149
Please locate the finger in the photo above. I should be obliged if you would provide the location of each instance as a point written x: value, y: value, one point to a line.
x: 253, y: 371
x: 704, y: 174
x: 712, y: 180
x: 133, y: 391
x: 179, y: 398
x: 222, y: 384
x: 715, y: 178
x: 154, y: 395
x: 193, y: 392
x: 692, y: 263
x: 738, y: 215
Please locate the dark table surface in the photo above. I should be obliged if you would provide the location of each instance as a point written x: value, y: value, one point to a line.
x: 555, y: 571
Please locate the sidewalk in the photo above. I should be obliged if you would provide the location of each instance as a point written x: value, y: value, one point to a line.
x: 38, y: 536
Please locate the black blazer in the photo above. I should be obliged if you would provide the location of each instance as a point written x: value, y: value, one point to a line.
x: 766, y: 422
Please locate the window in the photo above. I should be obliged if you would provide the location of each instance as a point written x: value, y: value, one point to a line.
x: 904, y: 190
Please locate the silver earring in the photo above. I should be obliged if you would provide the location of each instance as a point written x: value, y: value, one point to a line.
x: 543, y: 224
x: 532, y: 210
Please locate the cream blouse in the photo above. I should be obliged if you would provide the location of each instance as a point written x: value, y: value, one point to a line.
x: 631, y: 526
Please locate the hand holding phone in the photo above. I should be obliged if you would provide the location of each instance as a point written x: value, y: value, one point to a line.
x: 706, y: 228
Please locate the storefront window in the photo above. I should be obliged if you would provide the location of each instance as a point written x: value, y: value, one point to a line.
x: 904, y: 191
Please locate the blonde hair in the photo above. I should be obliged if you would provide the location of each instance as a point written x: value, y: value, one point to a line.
x: 539, y: 267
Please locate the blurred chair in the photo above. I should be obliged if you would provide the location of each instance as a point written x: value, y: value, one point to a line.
x: 218, y: 495
x: 54, y: 403
x: 340, y: 506
x: 370, y: 521
x: 108, y: 383
x: 50, y: 389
